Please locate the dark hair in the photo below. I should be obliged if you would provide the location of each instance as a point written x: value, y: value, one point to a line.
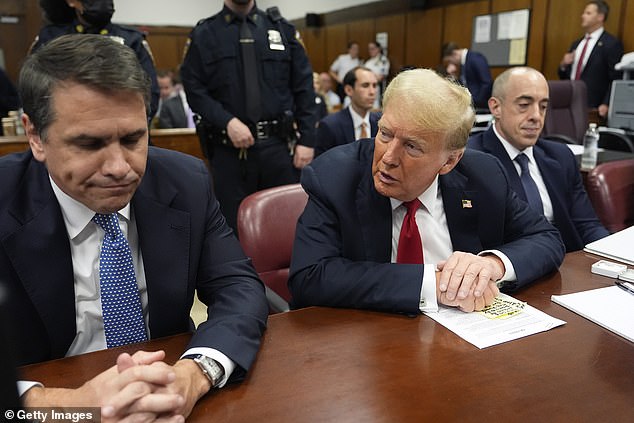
x: 378, y: 45
x: 602, y: 8
x: 92, y: 60
x: 57, y: 11
x: 351, y: 43
x: 449, y: 48
x: 351, y: 76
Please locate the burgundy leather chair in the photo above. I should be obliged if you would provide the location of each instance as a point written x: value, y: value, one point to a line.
x: 610, y: 187
x: 567, y: 114
x: 266, y: 228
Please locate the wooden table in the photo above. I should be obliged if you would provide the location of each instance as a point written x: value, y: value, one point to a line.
x: 330, y: 365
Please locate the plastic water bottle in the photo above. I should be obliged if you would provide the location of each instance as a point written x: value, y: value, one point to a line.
x: 590, y: 147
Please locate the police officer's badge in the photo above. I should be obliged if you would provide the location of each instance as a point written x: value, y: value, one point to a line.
x: 275, y: 40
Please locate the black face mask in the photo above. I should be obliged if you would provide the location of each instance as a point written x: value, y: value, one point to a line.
x: 97, y: 13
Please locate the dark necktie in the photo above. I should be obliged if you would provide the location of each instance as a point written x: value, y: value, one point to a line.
x: 530, y: 188
x: 120, y: 303
x: 581, y: 57
x: 410, y: 246
x: 250, y: 72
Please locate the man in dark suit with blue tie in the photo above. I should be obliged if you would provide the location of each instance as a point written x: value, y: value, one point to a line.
x: 592, y: 57
x: 411, y: 219
x: 473, y: 70
x: 545, y: 173
x: 355, y: 121
x: 96, y: 227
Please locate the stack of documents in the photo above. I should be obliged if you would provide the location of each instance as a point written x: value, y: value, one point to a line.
x: 610, y: 307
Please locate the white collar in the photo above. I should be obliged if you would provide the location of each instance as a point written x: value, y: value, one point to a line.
x: 77, y: 215
x: 513, y: 151
x: 357, y: 120
x: 428, y: 197
x: 595, y: 34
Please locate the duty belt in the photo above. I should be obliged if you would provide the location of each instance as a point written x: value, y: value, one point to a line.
x: 265, y: 129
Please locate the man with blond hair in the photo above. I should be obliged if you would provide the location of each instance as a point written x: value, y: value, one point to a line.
x: 413, y: 219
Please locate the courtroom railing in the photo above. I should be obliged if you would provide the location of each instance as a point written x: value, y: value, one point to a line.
x: 184, y: 140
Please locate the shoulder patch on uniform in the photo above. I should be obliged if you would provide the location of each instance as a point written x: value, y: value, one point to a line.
x: 186, y: 48
x: 298, y: 37
x: 147, y: 48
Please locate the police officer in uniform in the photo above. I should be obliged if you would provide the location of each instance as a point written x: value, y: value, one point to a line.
x: 93, y: 17
x: 248, y: 77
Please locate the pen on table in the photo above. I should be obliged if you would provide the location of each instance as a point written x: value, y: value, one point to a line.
x: 626, y: 286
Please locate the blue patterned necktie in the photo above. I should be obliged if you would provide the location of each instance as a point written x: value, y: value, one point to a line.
x: 530, y: 188
x: 120, y: 303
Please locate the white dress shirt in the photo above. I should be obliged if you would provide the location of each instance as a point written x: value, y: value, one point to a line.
x: 533, y: 169
x: 594, y: 37
x: 85, y: 238
x: 342, y: 64
x: 358, y: 121
x: 434, y: 234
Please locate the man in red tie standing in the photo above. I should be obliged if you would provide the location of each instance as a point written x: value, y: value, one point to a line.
x: 412, y: 219
x: 592, y: 57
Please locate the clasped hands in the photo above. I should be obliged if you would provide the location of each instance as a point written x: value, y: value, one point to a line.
x: 468, y: 281
x: 139, y: 388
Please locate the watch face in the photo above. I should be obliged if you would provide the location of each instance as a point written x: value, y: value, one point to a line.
x: 211, y: 368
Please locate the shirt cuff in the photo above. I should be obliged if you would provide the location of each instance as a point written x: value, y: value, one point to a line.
x: 25, y: 385
x: 509, y: 270
x: 227, y: 364
x: 428, y: 301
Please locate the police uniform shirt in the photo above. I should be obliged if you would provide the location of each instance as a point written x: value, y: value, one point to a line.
x: 128, y: 36
x: 212, y: 71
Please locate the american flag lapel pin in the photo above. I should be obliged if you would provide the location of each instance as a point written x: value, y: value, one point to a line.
x: 466, y: 204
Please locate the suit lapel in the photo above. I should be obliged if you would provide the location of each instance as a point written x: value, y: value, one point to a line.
x: 372, y: 207
x: 461, y: 210
x: 493, y: 145
x: 349, y: 127
x: 374, y: 123
x: 164, y: 238
x: 550, y: 170
x: 44, y: 264
x: 596, y: 52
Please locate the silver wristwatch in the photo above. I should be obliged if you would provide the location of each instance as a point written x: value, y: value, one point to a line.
x: 210, y: 368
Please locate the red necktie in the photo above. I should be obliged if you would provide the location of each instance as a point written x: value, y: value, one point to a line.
x: 410, y: 246
x: 581, y: 56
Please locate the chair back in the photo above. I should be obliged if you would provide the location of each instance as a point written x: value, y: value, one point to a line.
x: 266, y: 228
x: 610, y: 188
x: 615, y: 139
x: 567, y: 113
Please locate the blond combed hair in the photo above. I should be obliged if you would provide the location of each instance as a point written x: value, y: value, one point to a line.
x: 433, y: 103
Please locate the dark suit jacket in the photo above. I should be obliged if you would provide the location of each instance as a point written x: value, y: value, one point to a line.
x: 172, y: 113
x: 478, y: 78
x: 573, y: 213
x: 185, y: 243
x: 599, y: 71
x: 338, y: 129
x: 341, y: 256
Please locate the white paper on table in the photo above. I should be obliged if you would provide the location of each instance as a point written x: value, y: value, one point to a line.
x: 483, y: 331
x: 610, y: 307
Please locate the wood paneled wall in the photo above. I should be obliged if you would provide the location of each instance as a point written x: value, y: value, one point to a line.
x: 415, y: 36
